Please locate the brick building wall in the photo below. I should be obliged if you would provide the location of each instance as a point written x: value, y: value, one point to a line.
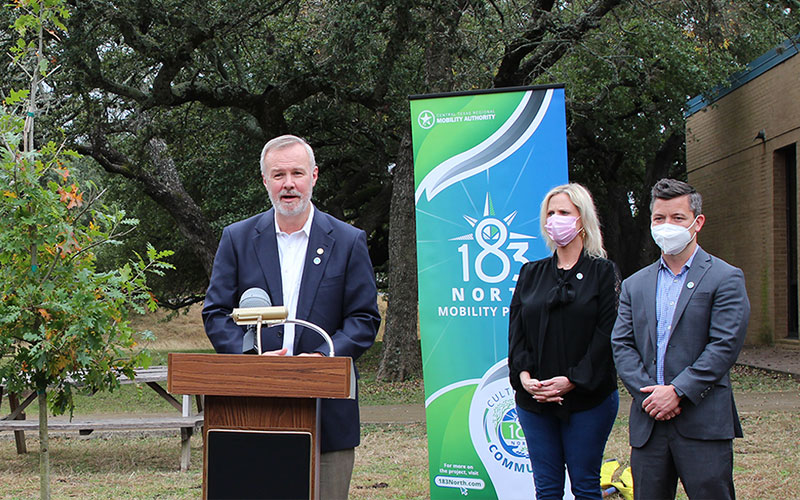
x: 742, y: 180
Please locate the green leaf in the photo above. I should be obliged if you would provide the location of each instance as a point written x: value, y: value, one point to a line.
x: 16, y: 96
x: 25, y: 22
x: 31, y: 336
x: 147, y: 335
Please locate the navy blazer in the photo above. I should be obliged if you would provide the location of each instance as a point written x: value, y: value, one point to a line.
x: 709, y: 328
x: 337, y: 293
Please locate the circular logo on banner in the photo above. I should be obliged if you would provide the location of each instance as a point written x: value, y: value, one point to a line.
x: 510, y: 435
x: 426, y: 119
x: 497, y: 436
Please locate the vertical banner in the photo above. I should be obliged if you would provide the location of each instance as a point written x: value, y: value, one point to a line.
x: 483, y: 161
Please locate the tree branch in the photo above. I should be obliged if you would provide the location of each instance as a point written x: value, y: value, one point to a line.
x: 533, y: 52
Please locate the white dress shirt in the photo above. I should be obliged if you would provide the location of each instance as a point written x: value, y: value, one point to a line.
x: 292, y: 255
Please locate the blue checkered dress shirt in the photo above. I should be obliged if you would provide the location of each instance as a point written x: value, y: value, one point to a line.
x: 667, y: 292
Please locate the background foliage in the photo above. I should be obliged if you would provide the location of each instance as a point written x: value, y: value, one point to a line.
x: 64, y: 322
x: 172, y: 101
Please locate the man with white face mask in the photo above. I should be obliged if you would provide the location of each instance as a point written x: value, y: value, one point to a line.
x: 680, y: 326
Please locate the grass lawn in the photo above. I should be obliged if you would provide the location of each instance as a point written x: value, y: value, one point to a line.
x: 391, y: 462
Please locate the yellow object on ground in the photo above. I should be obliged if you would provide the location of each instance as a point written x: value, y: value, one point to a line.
x: 623, y: 486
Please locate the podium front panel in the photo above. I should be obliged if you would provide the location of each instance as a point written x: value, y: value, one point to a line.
x: 246, y: 464
x: 255, y: 415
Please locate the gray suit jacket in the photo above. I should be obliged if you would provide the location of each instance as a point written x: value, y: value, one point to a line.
x: 709, y: 328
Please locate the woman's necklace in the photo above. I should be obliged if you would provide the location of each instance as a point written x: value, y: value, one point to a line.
x: 567, y: 265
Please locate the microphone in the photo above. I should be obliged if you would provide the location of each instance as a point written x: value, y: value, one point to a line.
x: 255, y: 308
x: 252, y: 297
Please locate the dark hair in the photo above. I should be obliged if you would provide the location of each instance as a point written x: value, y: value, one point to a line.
x: 667, y: 189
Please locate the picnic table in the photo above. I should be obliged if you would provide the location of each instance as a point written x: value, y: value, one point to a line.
x: 186, y: 420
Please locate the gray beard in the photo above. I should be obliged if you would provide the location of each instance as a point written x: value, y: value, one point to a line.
x: 299, y: 209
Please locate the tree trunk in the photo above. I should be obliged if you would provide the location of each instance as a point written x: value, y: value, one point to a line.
x: 167, y: 190
x: 163, y: 185
x: 401, y: 354
x: 401, y: 350
x: 44, y: 448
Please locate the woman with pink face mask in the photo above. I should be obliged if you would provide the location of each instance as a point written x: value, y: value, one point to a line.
x: 559, y: 342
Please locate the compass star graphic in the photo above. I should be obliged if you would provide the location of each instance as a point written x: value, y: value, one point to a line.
x: 492, y: 233
x: 490, y: 227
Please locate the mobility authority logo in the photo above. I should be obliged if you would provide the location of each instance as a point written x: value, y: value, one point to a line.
x: 427, y: 119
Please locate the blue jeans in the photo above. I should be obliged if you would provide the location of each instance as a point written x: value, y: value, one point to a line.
x: 578, y: 444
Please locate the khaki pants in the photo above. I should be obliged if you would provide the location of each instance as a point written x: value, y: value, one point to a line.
x: 336, y: 468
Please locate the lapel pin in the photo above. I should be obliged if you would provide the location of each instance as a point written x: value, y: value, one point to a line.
x: 320, y: 251
x: 317, y: 260
x: 690, y: 284
x: 579, y: 276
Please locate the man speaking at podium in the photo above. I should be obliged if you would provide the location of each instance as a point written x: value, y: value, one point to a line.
x: 315, y: 265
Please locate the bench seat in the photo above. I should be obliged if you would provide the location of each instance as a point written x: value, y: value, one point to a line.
x: 187, y: 425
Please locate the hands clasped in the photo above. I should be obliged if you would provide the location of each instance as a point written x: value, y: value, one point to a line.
x: 662, y: 403
x: 551, y: 390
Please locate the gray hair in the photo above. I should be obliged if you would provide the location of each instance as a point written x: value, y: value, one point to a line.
x: 582, y: 199
x: 667, y: 189
x: 283, y: 142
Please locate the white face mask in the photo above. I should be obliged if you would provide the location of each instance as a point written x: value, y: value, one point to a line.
x: 672, y: 238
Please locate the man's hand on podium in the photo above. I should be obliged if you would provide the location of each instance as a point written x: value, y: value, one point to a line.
x: 282, y: 352
x: 279, y: 352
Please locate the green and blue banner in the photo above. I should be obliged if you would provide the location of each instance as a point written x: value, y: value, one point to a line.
x: 483, y: 161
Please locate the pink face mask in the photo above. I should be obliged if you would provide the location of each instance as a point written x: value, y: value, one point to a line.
x: 562, y: 228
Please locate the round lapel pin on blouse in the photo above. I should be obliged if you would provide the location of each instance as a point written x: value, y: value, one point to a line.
x: 579, y: 276
x: 690, y: 284
x: 317, y: 260
x: 320, y: 251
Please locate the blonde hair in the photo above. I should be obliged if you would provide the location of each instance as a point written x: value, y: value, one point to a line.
x: 582, y: 199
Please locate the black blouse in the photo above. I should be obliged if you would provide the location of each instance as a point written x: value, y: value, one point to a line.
x: 560, y: 324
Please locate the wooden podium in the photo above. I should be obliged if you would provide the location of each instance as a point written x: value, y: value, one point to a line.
x: 261, y: 429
